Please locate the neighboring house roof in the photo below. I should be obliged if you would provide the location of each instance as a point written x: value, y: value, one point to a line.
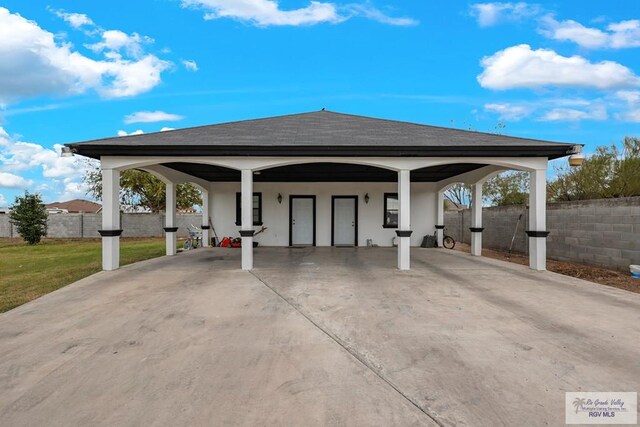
x: 77, y: 205
x: 322, y: 133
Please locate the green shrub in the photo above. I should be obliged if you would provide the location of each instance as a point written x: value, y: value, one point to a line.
x: 29, y: 216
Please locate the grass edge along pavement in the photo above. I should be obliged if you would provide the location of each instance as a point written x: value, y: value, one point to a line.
x: 28, y: 272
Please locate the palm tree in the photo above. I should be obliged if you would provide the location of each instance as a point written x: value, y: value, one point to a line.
x: 579, y: 403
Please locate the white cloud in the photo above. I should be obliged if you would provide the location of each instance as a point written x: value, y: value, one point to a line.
x: 76, y: 20
x: 573, y: 115
x: 73, y: 190
x: 569, y: 102
x: 370, y: 12
x: 9, y: 180
x: 151, y: 117
x: 632, y: 116
x: 521, y: 67
x: 135, y: 132
x: 190, y: 65
x: 34, y: 64
x: 617, y: 35
x: 18, y: 156
x: 508, y: 111
x: 630, y: 96
x: 493, y: 13
x: 555, y: 109
x: 625, y: 34
x: 632, y: 101
x: 140, y: 131
x: 116, y: 40
x: 3, y: 201
x: 572, y: 31
x: 131, y: 78
x: 266, y: 12
x: 48, y: 172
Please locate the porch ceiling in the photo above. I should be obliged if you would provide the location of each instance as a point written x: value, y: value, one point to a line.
x: 323, y: 172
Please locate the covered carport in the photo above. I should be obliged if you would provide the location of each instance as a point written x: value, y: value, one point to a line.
x: 316, y: 336
x: 321, y: 152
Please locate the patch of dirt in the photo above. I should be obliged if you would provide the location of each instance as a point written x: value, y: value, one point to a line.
x: 602, y: 276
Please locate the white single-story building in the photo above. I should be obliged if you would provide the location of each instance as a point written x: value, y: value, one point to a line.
x: 323, y: 179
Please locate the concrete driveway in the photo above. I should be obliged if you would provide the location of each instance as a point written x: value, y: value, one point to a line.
x: 316, y: 336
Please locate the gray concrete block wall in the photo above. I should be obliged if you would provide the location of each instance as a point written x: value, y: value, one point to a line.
x: 70, y: 226
x: 67, y: 225
x: 603, y: 232
x: 91, y: 224
x: 142, y: 225
x: 598, y: 232
x: 6, y: 230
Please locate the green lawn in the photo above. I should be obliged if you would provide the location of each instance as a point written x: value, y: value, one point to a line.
x: 28, y: 272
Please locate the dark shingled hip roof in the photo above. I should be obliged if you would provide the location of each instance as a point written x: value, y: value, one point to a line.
x: 321, y: 133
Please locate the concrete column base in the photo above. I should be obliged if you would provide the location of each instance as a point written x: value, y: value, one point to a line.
x: 537, y: 250
x: 404, y: 249
x: 247, y: 253
x: 404, y: 253
x: 440, y: 235
x: 110, y: 253
x: 206, y: 237
x: 476, y: 219
x: 476, y: 242
x: 170, y: 239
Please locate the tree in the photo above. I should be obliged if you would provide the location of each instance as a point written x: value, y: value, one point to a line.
x: 141, y: 189
x: 459, y: 195
x: 609, y: 172
x: 626, y: 173
x: 507, y: 188
x: 29, y: 216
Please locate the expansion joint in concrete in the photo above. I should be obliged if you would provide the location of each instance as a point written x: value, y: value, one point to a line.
x: 349, y: 350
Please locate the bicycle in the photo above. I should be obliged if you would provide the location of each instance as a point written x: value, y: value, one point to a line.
x: 194, y: 240
x: 447, y: 241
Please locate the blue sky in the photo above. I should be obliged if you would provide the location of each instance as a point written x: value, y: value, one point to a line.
x: 72, y: 71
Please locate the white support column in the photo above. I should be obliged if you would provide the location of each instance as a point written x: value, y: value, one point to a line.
x: 538, y: 219
x: 404, y: 219
x: 247, y: 231
x: 211, y: 204
x: 440, y: 217
x: 476, y: 219
x: 206, y: 230
x: 170, y: 219
x: 110, y: 219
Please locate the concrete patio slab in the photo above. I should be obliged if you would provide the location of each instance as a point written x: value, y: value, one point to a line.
x: 316, y: 336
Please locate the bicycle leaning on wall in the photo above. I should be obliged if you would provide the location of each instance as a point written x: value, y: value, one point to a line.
x: 447, y: 241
